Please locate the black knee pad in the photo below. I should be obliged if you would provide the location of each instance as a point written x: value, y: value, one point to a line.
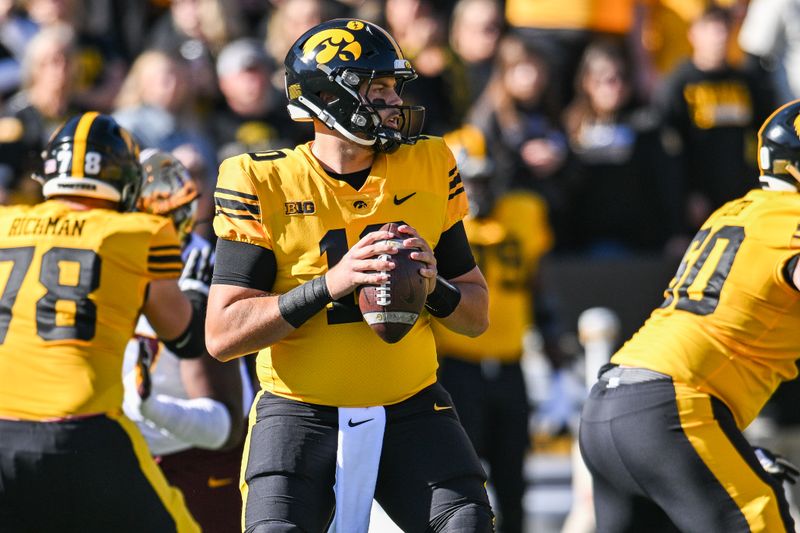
x: 274, y: 526
x: 471, y: 517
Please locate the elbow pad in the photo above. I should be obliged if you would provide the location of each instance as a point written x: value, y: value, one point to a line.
x: 192, y: 342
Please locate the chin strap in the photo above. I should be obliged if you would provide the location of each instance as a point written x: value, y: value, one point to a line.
x: 772, y: 183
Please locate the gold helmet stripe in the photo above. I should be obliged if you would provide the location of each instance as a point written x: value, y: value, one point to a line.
x: 79, y: 143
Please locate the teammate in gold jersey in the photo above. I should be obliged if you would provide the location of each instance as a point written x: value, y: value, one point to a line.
x: 662, y: 427
x: 298, y: 233
x: 508, y: 233
x: 77, y: 270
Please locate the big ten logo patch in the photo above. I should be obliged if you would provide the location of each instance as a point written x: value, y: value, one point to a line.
x: 299, y: 208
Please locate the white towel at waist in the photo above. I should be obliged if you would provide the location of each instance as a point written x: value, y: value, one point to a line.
x: 357, y: 459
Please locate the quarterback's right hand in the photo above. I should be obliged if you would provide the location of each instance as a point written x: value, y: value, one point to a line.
x: 361, y: 265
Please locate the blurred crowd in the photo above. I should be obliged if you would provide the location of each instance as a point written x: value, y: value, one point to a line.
x: 632, y: 119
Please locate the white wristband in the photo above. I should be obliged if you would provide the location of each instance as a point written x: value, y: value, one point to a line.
x: 201, y: 422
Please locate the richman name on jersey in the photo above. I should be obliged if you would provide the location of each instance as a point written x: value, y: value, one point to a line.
x: 46, y: 226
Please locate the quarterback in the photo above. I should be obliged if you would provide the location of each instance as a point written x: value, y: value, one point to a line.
x: 661, y: 429
x: 343, y: 416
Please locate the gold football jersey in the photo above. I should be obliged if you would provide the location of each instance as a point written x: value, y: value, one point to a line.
x: 730, y: 323
x: 73, y: 286
x: 286, y: 202
x: 507, y: 246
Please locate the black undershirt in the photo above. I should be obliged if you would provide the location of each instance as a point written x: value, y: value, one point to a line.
x: 355, y: 179
x: 249, y: 265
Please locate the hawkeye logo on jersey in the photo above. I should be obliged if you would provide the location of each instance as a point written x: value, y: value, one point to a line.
x: 335, y: 43
x: 299, y: 208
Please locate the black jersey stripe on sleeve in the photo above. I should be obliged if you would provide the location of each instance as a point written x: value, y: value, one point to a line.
x: 166, y: 248
x: 452, y: 171
x: 164, y: 259
x: 231, y: 192
x: 236, y: 206
x: 165, y: 270
x: 455, y: 181
x: 455, y: 193
x: 222, y: 212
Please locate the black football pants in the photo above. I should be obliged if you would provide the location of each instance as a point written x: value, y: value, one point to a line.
x: 665, y: 444
x: 429, y: 477
x: 90, y: 475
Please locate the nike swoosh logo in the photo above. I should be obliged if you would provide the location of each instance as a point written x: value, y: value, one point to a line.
x: 437, y: 407
x: 217, y: 482
x: 354, y: 424
x: 398, y: 201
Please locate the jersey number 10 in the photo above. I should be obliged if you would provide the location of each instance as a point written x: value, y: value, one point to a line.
x: 683, y: 286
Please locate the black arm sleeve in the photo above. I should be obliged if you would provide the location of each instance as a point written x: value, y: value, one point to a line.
x: 453, y: 254
x: 244, y: 265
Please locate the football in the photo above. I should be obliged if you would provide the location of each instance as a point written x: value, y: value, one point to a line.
x: 392, y: 309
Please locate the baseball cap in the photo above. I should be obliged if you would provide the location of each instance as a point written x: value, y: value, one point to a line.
x: 240, y: 55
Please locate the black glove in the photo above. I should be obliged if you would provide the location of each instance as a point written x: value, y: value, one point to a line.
x: 198, y: 268
x: 777, y: 465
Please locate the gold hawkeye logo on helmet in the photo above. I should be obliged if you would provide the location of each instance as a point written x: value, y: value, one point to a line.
x: 336, y: 42
x: 797, y: 125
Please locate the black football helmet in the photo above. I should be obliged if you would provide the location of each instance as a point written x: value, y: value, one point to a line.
x: 91, y: 155
x: 475, y: 168
x: 779, y: 146
x: 168, y: 189
x: 337, y: 57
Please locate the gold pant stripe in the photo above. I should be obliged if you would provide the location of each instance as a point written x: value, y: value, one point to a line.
x: 251, y: 421
x: 753, y: 496
x: 171, y: 497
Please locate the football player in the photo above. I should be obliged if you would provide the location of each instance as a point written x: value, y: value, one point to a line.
x: 298, y: 233
x: 77, y: 270
x: 662, y: 428
x: 190, y: 411
x: 509, y: 233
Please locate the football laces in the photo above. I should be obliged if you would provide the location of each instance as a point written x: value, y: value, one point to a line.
x: 383, y: 292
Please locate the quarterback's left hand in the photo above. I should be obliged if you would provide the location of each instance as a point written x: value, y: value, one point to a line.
x: 777, y: 465
x: 425, y: 255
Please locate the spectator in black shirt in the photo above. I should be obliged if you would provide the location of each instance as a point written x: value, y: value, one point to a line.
x: 624, y: 186
x: 716, y: 109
